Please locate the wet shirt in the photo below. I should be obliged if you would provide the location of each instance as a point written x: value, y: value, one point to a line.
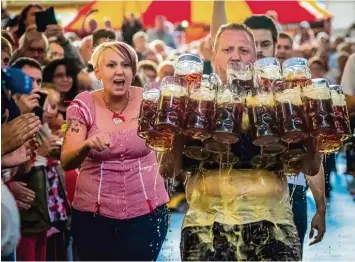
x: 121, y: 182
x: 238, y: 195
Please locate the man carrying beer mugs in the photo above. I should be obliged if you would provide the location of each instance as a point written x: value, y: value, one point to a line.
x: 243, y: 214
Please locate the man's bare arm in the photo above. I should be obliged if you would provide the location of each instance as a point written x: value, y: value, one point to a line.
x: 219, y: 17
x: 317, y: 184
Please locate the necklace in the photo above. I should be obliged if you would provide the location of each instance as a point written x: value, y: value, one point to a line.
x: 116, y: 117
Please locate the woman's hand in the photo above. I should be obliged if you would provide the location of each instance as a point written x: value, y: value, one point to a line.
x: 99, y: 142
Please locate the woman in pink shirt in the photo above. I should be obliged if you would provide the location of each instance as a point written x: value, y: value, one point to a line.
x: 119, y: 207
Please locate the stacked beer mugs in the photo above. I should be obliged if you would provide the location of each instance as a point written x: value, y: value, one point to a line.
x: 277, y: 107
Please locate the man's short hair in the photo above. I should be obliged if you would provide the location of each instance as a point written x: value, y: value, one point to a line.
x: 23, y: 61
x: 232, y: 26
x: 286, y: 36
x: 256, y: 22
x: 102, y: 33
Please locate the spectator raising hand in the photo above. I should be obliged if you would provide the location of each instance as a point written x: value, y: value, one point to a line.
x: 17, y: 132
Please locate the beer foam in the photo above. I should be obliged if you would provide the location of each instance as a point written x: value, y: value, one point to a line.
x: 337, y: 99
x: 225, y: 97
x: 289, y: 95
x: 173, y: 90
x: 271, y: 72
x: 151, y: 95
x: 240, y: 75
x: 188, y: 67
x: 261, y: 100
x: 317, y: 93
x: 203, y: 94
x: 296, y: 75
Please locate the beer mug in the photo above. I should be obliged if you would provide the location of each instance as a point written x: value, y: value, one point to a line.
x: 260, y: 103
x: 291, y: 116
x: 333, y: 142
x: 171, y: 107
x: 154, y: 139
x: 268, y: 74
x: 296, y: 73
x: 240, y: 76
x: 148, y: 109
x: 190, y: 67
x: 319, y: 109
x: 194, y: 149
x: 200, y: 110
x: 229, y: 115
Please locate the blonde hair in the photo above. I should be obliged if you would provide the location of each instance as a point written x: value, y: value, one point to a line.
x: 29, y: 37
x: 118, y: 47
x: 6, y: 46
x: 235, y: 27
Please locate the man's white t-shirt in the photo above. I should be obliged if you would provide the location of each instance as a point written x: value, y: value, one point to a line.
x: 299, y: 180
x: 348, y: 78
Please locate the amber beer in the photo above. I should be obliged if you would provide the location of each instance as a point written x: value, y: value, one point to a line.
x: 240, y: 77
x: 262, y: 118
x: 147, y: 114
x: 171, y: 107
x: 199, y: 114
x: 189, y: 67
x: 228, y: 119
x: 268, y: 74
x: 319, y: 109
x: 291, y: 116
x: 296, y: 73
x: 191, y: 78
x: 341, y: 115
x: 332, y: 142
x: 147, y: 117
x: 160, y: 141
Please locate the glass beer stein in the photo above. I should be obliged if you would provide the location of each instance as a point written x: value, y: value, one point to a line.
x: 171, y: 107
x: 333, y: 142
x: 200, y: 110
x: 155, y: 140
x: 240, y: 76
x: 229, y: 114
x: 296, y: 73
x: 268, y: 74
x: 319, y: 109
x: 190, y: 67
x: 262, y: 118
x: 291, y: 116
x: 194, y: 149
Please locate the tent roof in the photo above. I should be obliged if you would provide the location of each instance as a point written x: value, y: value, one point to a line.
x: 196, y: 11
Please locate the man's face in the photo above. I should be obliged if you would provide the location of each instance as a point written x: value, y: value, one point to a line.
x: 233, y: 46
x: 36, y: 50
x: 284, y: 49
x: 35, y: 75
x: 264, y: 44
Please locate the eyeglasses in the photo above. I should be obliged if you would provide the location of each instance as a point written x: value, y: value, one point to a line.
x: 36, y: 50
x: 62, y: 76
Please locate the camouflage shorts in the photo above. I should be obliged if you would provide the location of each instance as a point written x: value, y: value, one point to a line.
x: 261, y: 241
